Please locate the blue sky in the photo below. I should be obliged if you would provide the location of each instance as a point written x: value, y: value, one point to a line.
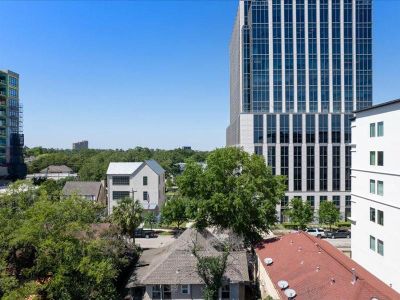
x: 141, y: 73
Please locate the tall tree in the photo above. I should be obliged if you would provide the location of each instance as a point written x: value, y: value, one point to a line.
x: 127, y: 215
x: 300, y: 213
x: 328, y: 214
x: 175, y: 211
x: 150, y: 218
x: 235, y: 191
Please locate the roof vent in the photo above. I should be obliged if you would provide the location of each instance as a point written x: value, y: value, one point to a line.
x: 291, y: 242
x: 290, y: 293
x: 318, y: 268
x: 299, y: 249
x: 333, y: 281
x: 354, y: 276
x: 283, y: 284
x: 374, y: 298
x: 268, y: 261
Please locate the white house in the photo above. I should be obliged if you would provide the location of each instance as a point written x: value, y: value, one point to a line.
x: 144, y: 181
x: 375, y: 191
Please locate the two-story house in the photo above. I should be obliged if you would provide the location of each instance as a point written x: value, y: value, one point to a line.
x: 143, y: 181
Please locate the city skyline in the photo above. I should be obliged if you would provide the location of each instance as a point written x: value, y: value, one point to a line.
x: 91, y: 79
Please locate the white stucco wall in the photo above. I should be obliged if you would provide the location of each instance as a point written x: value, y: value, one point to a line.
x: 386, y: 267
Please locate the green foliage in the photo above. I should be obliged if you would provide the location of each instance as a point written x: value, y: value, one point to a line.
x: 343, y: 224
x: 235, y: 190
x: 150, y: 219
x: 328, y: 213
x: 127, y: 215
x: 211, y: 270
x: 50, y: 248
x: 92, y: 164
x: 175, y: 211
x: 300, y: 213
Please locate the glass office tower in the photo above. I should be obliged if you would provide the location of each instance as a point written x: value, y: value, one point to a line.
x: 298, y: 70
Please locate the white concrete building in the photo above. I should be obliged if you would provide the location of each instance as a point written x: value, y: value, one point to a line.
x: 375, y: 191
x: 144, y: 181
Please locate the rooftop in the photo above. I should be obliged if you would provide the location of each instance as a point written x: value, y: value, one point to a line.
x: 396, y: 101
x: 82, y: 188
x: 317, y: 270
x: 57, y: 169
x: 128, y: 168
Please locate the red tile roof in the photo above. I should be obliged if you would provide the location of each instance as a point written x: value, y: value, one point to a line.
x: 317, y: 270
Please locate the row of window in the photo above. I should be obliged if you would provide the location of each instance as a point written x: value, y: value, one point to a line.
x: 376, y: 245
x: 117, y: 195
x: 379, y: 187
x: 13, y: 81
x: 372, y: 129
x: 372, y: 158
x: 373, y: 216
x: 124, y: 180
x: 272, y: 130
x: 165, y: 291
x: 322, y: 198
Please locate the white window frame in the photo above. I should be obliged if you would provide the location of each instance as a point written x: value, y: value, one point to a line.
x: 185, y: 289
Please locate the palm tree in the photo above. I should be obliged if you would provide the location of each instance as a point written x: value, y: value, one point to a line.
x: 127, y: 215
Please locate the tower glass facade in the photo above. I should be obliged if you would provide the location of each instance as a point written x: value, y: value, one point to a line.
x: 299, y: 68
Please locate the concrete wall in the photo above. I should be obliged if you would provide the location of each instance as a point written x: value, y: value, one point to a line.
x: 386, y: 267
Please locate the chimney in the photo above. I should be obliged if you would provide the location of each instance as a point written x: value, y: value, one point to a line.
x: 354, y: 276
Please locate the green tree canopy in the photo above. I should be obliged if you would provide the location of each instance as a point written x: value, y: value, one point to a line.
x: 127, y: 215
x: 175, y: 211
x: 300, y: 213
x: 328, y: 213
x: 235, y: 191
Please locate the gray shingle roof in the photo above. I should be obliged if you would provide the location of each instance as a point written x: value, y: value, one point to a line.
x: 155, y: 166
x: 81, y: 188
x: 175, y: 264
x: 57, y: 169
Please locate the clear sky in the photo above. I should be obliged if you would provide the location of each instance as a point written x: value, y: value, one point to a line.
x: 141, y: 73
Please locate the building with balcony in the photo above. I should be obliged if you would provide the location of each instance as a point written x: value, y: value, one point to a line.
x: 375, y: 191
x: 12, y: 164
x: 298, y: 69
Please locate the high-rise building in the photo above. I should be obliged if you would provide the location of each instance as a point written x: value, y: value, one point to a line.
x: 12, y: 164
x: 83, y: 145
x: 375, y: 188
x: 298, y: 70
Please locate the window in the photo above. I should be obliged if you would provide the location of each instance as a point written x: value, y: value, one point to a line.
x: 13, y: 81
x: 271, y: 129
x: 284, y: 129
x: 258, y: 150
x: 380, y: 128
x: 336, y: 168
x: 347, y: 210
x: 372, y: 130
x: 323, y: 128
x: 372, y: 186
x: 322, y: 199
x: 372, y: 244
x: 336, y: 125
x: 145, y: 196
x: 167, y: 291
x: 285, y: 162
x: 372, y: 158
x: 120, y: 195
x: 225, y: 292
x: 145, y: 180
x: 297, y: 128
x: 285, y: 201
x: 323, y: 168
x: 380, y: 188
x: 310, y: 168
x: 258, y: 129
x: 185, y: 289
x: 311, y: 201
x: 297, y: 168
x: 380, y: 158
x: 336, y: 201
x: 271, y: 158
x: 310, y: 128
x: 120, y: 180
x: 380, y: 247
x: 156, y: 292
x: 380, y: 217
x: 372, y: 213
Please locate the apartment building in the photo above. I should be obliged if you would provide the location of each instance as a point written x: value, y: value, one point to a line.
x: 375, y: 191
x: 298, y: 69
x: 143, y: 181
x: 12, y: 164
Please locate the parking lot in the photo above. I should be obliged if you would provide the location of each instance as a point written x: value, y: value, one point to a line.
x: 340, y: 243
x: 158, y: 242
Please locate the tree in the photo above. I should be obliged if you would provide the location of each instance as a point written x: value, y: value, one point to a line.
x: 300, y: 213
x: 211, y: 270
x: 175, y: 211
x: 328, y: 213
x: 235, y: 191
x: 150, y: 218
x: 127, y: 215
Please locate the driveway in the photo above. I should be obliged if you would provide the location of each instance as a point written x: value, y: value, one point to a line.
x: 158, y: 242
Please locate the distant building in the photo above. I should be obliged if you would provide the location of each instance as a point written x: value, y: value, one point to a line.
x: 143, y: 181
x: 54, y: 172
x: 12, y: 164
x: 375, y: 240
x: 83, y: 145
x: 308, y: 268
x: 187, y: 148
x: 170, y: 272
x: 91, y: 190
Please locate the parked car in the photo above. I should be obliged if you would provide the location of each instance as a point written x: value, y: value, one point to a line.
x: 317, y: 232
x: 145, y: 233
x: 338, y: 233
